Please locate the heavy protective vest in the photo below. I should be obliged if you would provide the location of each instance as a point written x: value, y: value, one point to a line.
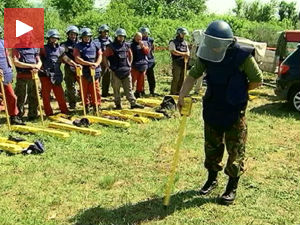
x: 7, y: 71
x: 69, y: 47
x: 89, y: 52
x: 180, y: 46
x: 27, y: 55
x: 150, y: 56
x: 119, y: 62
x: 227, y: 88
x: 140, y: 60
x: 52, y: 62
x: 104, y: 42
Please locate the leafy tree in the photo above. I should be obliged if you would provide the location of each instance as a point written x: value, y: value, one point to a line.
x: 13, y: 4
x: 71, y: 8
x: 288, y: 11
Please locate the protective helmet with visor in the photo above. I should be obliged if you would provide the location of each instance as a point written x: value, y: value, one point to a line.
x: 215, y: 41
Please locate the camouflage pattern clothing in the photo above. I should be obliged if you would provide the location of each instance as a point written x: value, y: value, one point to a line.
x: 70, y: 81
x: 25, y: 89
x: 234, y: 139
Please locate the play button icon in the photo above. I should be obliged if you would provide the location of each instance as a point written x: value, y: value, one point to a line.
x: 22, y: 28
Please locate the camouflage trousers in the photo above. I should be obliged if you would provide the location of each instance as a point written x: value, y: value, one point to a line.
x: 234, y: 139
x: 25, y: 91
x: 70, y: 80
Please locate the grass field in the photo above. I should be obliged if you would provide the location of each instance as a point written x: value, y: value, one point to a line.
x: 119, y: 177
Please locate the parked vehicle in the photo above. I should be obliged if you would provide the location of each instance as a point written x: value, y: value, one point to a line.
x: 288, y: 80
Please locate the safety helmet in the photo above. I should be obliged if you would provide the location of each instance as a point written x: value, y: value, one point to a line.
x: 144, y: 30
x: 103, y: 27
x: 182, y: 30
x: 73, y: 29
x: 120, y: 32
x: 219, y: 29
x: 217, y: 38
x: 53, y: 33
x: 85, y: 32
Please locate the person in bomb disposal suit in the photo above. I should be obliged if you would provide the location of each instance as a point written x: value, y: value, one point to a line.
x: 231, y: 71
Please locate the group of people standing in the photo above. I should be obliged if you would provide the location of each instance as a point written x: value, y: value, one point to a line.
x: 114, y: 61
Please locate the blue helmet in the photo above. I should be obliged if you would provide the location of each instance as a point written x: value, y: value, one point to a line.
x: 144, y: 30
x: 53, y: 33
x: 219, y: 29
x: 73, y: 29
x: 85, y: 32
x: 182, y: 30
x: 120, y: 32
x: 103, y: 27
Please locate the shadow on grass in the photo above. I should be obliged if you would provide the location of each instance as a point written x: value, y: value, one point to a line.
x: 131, y: 214
x: 278, y: 109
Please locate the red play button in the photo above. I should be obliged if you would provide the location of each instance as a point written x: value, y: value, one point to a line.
x: 23, y: 27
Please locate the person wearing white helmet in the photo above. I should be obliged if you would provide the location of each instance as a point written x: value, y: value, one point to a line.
x: 51, y: 75
x: 70, y: 74
x: 180, y: 52
x: 118, y: 58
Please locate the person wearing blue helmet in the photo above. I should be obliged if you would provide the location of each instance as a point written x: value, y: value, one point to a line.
x: 51, y: 76
x: 231, y: 71
x: 70, y: 74
x: 151, y: 60
x: 88, y: 53
x: 106, y: 76
x: 118, y: 58
x: 180, y: 52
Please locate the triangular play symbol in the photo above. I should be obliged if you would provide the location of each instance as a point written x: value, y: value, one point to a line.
x: 22, y: 28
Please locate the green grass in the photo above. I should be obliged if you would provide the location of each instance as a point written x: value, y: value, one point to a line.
x: 119, y: 177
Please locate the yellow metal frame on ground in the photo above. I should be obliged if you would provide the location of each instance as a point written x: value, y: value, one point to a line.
x: 36, y: 130
x: 137, y: 119
x: 69, y: 127
x: 13, y: 146
x: 105, y: 121
x: 149, y: 102
x: 145, y: 113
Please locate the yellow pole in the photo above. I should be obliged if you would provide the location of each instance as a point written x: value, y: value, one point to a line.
x: 185, y: 112
x: 4, y: 100
x: 93, y: 74
x: 35, y: 77
x: 185, y: 66
x: 79, y: 74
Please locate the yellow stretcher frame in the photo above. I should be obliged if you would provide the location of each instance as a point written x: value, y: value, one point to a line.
x: 70, y: 127
x: 37, y: 130
x: 144, y: 113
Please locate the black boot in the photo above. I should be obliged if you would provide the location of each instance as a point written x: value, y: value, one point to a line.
x: 228, y: 196
x: 15, y: 120
x: 137, y: 94
x: 118, y: 107
x: 210, y: 184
